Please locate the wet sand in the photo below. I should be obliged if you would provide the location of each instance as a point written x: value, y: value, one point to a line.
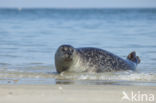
x: 71, y: 93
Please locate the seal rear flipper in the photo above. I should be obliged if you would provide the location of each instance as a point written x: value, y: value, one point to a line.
x: 132, y: 56
x: 138, y: 59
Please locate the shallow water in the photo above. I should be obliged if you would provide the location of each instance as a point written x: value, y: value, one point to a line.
x: 30, y: 37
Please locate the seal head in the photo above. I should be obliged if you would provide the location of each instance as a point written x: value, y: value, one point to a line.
x: 64, y: 57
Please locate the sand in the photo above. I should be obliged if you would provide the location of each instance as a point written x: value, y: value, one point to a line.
x: 72, y: 93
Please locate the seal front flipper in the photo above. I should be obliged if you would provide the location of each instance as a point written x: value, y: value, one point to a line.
x: 132, y: 56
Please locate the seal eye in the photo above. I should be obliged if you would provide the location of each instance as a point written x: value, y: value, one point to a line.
x: 70, y: 49
x: 62, y: 49
x: 65, y: 48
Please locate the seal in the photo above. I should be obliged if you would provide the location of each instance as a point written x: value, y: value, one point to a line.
x: 90, y: 59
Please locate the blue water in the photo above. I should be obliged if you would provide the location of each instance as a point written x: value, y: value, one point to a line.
x: 30, y: 37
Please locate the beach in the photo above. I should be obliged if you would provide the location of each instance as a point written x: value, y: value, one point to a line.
x: 73, y: 93
x: 29, y: 39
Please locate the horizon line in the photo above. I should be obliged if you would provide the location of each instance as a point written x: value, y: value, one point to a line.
x: 77, y: 7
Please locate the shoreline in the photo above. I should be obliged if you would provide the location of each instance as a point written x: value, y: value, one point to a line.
x: 71, y: 93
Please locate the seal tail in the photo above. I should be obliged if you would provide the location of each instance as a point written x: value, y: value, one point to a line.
x: 132, y: 56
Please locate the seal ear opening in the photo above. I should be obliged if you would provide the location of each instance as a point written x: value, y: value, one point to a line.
x: 132, y: 56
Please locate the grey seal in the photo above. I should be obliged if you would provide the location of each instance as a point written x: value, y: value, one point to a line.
x: 90, y: 59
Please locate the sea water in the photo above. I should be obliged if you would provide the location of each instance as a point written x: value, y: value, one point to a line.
x: 29, y: 39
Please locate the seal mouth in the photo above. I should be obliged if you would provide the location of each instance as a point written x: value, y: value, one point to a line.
x: 68, y: 59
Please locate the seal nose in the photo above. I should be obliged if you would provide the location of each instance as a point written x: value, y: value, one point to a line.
x: 69, y: 53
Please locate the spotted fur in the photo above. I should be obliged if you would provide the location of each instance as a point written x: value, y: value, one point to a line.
x: 92, y: 60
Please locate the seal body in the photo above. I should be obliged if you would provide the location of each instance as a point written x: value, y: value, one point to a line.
x: 89, y: 59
